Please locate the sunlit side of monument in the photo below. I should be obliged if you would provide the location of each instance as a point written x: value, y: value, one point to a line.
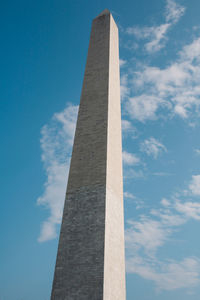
x: 90, y: 261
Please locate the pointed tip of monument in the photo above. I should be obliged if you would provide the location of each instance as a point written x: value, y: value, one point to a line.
x: 103, y: 13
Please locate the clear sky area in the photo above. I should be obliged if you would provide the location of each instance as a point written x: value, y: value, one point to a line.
x: 43, y: 54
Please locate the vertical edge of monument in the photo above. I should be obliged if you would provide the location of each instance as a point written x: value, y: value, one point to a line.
x: 114, y: 256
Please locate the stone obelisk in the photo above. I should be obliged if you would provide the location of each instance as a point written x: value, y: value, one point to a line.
x: 90, y: 262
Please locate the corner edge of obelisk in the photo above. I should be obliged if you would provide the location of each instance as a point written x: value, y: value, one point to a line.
x: 105, y: 12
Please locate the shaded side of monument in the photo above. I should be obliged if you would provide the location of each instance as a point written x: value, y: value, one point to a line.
x: 90, y: 262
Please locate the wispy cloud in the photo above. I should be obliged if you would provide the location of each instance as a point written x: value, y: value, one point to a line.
x: 156, y: 36
x: 172, y: 91
x: 128, y: 130
x: 139, y: 204
x: 195, y: 185
x: 144, y: 238
x: 174, y: 11
x: 144, y: 107
x: 146, y: 234
x: 124, y: 86
x: 189, y: 209
x: 56, y: 142
x: 197, y: 151
x: 168, y: 275
x: 152, y: 147
x: 151, y: 232
x: 129, y: 195
x: 126, y: 125
x: 122, y: 62
x: 133, y: 174
x: 130, y: 158
x: 165, y: 202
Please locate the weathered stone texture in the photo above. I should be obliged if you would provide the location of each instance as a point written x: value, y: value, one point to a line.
x: 90, y: 259
x: 80, y: 259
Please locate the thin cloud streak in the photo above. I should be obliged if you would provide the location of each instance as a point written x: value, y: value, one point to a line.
x: 156, y: 36
x: 130, y: 158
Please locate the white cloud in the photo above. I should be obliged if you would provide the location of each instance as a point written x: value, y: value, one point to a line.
x: 191, y: 52
x: 181, y: 111
x: 139, y: 204
x: 128, y: 129
x: 168, y: 217
x: 130, y: 158
x: 152, y: 147
x: 126, y: 125
x: 197, y: 151
x: 169, y: 275
x: 156, y: 36
x: 144, y: 107
x: 124, y: 89
x: 173, y: 90
x: 140, y: 32
x: 150, y: 233
x: 129, y: 195
x: 195, y: 185
x: 122, y: 62
x: 146, y: 234
x: 158, y: 40
x: 133, y: 174
x: 56, y: 142
x: 189, y: 209
x: 174, y: 11
x: 165, y: 202
x: 169, y: 91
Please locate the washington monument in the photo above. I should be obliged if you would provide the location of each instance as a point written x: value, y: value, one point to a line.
x: 90, y: 262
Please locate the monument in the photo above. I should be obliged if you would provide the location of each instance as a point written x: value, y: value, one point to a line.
x: 90, y: 262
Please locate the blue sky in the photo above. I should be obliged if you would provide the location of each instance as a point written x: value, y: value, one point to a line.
x: 43, y: 53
